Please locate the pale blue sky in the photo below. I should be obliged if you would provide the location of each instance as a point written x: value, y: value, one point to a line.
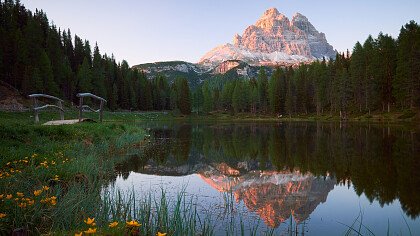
x: 159, y: 30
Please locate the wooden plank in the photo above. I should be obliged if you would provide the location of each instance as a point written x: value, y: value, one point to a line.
x: 67, y: 122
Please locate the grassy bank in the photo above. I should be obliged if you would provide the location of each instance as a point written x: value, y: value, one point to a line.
x: 51, y: 176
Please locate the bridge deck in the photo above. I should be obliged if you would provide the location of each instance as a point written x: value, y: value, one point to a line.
x: 67, y: 122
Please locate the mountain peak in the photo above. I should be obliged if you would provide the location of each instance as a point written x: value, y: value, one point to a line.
x: 271, y: 12
x: 274, y: 40
x: 299, y: 17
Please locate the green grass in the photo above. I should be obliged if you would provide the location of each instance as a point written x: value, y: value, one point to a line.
x: 73, y: 161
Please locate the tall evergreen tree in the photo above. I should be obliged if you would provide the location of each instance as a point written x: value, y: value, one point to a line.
x: 207, y: 98
x: 84, y: 77
x: 407, y: 80
x: 183, y: 96
x: 274, y: 88
x: 358, y: 71
x: 98, y: 73
x: 46, y: 73
x: 386, y: 58
x: 263, y: 89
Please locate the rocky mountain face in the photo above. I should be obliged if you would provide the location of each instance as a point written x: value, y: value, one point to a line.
x: 274, y: 40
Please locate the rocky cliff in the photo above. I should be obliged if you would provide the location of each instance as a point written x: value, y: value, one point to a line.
x: 274, y: 40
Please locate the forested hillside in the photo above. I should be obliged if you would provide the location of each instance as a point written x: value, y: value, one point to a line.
x: 380, y: 74
x: 36, y: 56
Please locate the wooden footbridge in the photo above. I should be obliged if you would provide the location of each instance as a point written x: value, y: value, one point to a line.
x: 59, y: 106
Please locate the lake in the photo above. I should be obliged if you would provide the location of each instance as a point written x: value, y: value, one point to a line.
x: 297, y: 178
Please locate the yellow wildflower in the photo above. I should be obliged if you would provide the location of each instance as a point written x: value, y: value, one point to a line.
x: 9, y: 196
x: 45, y: 188
x: 56, y: 178
x: 2, y: 215
x: 133, y: 223
x: 90, y: 231
x: 31, y: 202
x: 1, y: 196
x: 53, y: 202
x: 22, y: 204
x: 89, y: 221
x: 160, y: 234
x: 78, y: 234
x: 37, y: 192
x: 19, y: 194
x: 113, y: 224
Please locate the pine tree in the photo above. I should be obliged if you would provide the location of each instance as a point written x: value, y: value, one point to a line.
x: 88, y: 51
x: 37, y: 83
x: 321, y: 82
x: 84, y: 78
x: 173, y: 97
x: 98, y: 74
x: 369, y: 78
x: 254, y: 99
x: 79, y: 54
x: 113, y: 101
x: 407, y: 81
x: 358, y: 71
x: 274, y: 88
x: 56, y: 55
x: 386, y: 58
x: 237, y: 97
x: 198, y: 100
x: 263, y: 89
x: 290, y: 98
x: 46, y: 73
x: 184, y: 100
x: 207, y: 98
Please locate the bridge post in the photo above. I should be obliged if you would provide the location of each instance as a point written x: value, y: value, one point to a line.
x: 35, y: 110
x: 80, y: 108
x: 101, y: 111
x: 60, y: 105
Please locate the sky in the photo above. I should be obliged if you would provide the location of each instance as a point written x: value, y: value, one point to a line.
x: 141, y: 31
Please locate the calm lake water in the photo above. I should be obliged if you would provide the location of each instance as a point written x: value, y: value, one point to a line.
x: 291, y: 178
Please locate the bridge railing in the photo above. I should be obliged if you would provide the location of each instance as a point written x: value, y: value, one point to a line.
x: 37, y: 108
x: 86, y: 107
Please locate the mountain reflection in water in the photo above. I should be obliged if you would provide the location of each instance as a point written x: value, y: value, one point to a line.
x: 273, y: 195
x: 282, y: 170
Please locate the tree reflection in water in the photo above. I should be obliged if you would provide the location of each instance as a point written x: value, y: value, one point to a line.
x: 285, y: 169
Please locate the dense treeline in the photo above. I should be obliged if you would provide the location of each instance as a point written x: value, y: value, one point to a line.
x: 381, y: 74
x: 35, y: 57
